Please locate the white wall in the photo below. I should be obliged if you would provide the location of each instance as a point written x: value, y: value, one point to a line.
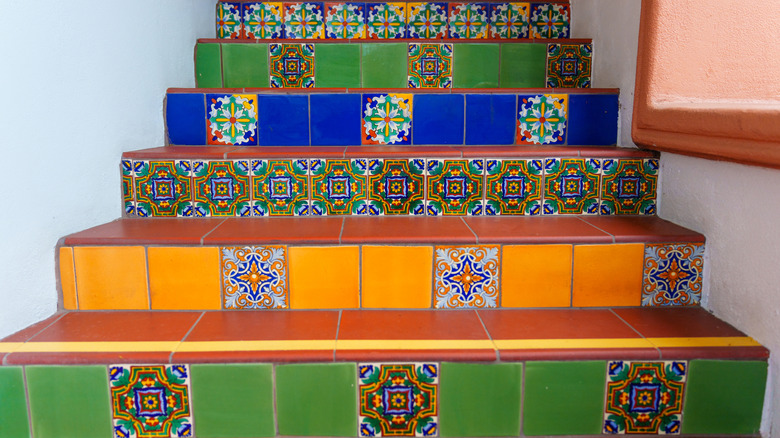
x: 81, y: 81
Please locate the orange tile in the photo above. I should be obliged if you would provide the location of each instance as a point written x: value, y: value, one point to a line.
x: 607, y: 275
x: 536, y: 276
x: 68, y: 279
x: 399, y: 277
x: 184, y: 278
x: 111, y: 277
x: 324, y: 277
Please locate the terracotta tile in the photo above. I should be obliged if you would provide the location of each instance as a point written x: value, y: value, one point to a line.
x: 524, y: 151
x: 258, y: 326
x: 616, y: 152
x: 375, y: 355
x: 111, y: 277
x: 119, y: 326
x: 607, y: 275
x: 676, y: 323
x: 384, y: 229
x: 577, y: 354
x: 182, y: 278
x: 643, y: 229
x: 288, y: 152
x: 302, y: 230
x: 68, y: 279
x: 145, y: 231
x: 731, y: 353
x: 396, y: 277
x: 402, y: 151
x: 286, y: 356
x: 535, y: 230
x: 324, y: 277
x: 180, y: 152
x: 28, y: 332
x: 85, y: 358
x: 536, y: 276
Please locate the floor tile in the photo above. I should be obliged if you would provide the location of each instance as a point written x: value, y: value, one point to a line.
x: 184, y: 278
x: 143, y: 231
x: 549, y: 20
x: 387, y: 119
x: 651, y: 229
x: 119, y: 327
x: 345, y: 20
x: 337, y: 65
x: 304, y: 21
x: 536, y: 276
x: 324, y: 277
x: 181, y: 152
x: 336, y: 119
x: 607, y: 275
x: 466, y: 277
x: 454, y: 187
x: 388, y: 151
x: 283, y: 120
x: 292, y: 65
x: 672, y: 275
x: 208, y: 66
x: 263, y: 21
x: 469, y: 20
x: 396, y: 277
x: 184, y: 115
x: 430, y: 65
x: 403, y: 229
x: 396, y: 187
x: 526, y: 229
x: 384, y: 65
x: 221, y: 188
x: 32, y: 330
x: 162, y: 188
x: 569, y: 65
x: 254, y: 277
x: 629, y: 186
x: 438, y: 119
x: 13, y: 417
x: 593, y: 119
x: 289, y: 152
x: 427, y: 20
x: 542, y: 119
x: 280, y: 187
x: 229, y: 25
x: 475, y: 66
x: 386, y: 20
x: 338, y: 187
x: 245, y: 65
x: 523, y: 66
x: 97, y: 271
x: 509, y: 20
x: 571, y: 186
x: 499, y: 129
x: 231, y: 119
x: 67, y: 271
x: 278, y: 230
x: 513, y: 187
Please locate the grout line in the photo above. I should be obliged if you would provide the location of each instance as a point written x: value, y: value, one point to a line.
x: 603, y: 231
x: 360, y: 276
x: 463, y: 218
x: 75, y: 277
x: 221, y: 68
x: 571, y: 280
x: 341, y: 232
x: 484, y: 327
x: 275, y: 408
x: 465, y: 109
x: 148, y: 279
x: 170, y: 357
x: 203, y: 238
x: 47, y: 326
x: 308, y: 104
x: 338, y: 329
x: 637, y: 331
x: 27, y: 400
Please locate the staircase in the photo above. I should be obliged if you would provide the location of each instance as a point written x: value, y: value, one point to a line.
x: 365, y: 225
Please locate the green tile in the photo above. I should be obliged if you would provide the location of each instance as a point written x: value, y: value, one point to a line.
x: 475, y: 66
x: 245, y: 65
x: 554, y: 390
x: 384, y: 65
x: 208, y: 66
x: 317, y: 399
x: 233, y: 400
x: 724, y: 397
x: 479, y: 400
x: 523, y: 65
x: 13, y: 404
x: 69, y: 401
x: 337, y: 65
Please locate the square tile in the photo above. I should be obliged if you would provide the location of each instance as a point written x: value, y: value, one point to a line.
x: 387, y: 119
x: 593, y: 119
x: 499, y: 128
x: 151, y: 400
x: 231, y: 119
x: 644, y: 397
x: 338, y: 186
x: 292, y: 65
x: 163, y: 188
x: 384, y: 65
x: 280, y: 187
x: 208, y: 65
x: 569, y: 65
x: 128, y: 192
x: 263, y: 21
x: 629, y: 186
x: 254, y: 277
x: 454, y: 187
x: 13, y: 417
x: 336, y: 119
x: 221, y: 188
x: 536, y: 276
x: 386, y: 20
x: 513, y: 187
x: 571, y: 186
x: 430, y: 65
x: 245, y: 65
x: 396, y: 187
x: 542, y: 119
x: 396, y: 277
x: 523, y: 66
x: 304, y: 21
x: 97, y: 271
x: 607, y: 275
x: 427, y: 20
x: 337, y: 66
x: 324, y: 277
x: 67, y: 272
x: 283, y: 120
x: 438, y: 119
x: 345, y: 20
x: 398, y: 399
x: 184, y: 278
x: 466, y: 276
x: 469, y: 20
x: 673, y: 274
x: 475, y: 66
x: 549, y: 20
x: 229, y: 20
x: 509, y: 20
x: 184, y: 115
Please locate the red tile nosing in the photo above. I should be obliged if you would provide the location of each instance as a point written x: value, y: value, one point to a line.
x: 86, y: 358
x: 577, y: 354
x: 397, y: 41
x: 277, y: 91
x: 472, y: 355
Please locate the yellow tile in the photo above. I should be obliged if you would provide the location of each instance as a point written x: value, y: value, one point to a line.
x: 68, y: 279
x: 607, y: 275
x: 397, y: 277
x: 111, y: 277
x: 324, y: 277
x: 184, y: 278
x: 536, y: 276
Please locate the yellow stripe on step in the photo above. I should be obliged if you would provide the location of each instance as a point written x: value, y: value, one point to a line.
x: 96, y: 347
x: 9, y: 347
x: 288, y: 345
x: 414, y: 344
x: 553, y: 344
x: 742, y: 341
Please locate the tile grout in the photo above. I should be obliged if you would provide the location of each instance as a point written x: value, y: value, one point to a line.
x: 186, y: 335
x: 27, y: 400
x: 636, y: 331
x: 338, y: 329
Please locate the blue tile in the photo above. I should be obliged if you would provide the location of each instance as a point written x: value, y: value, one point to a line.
x: 593, y: 119
x: 438, y: 119
x: 490, y: 119
x: 283, y: 120
x: 335, y: 119
x: 185, y: 116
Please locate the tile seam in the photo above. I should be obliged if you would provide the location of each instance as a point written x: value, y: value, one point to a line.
x: 186, y: 335
x: 274, y: 395
x: 336, y: 339
x: 203, y: 238
x: 490, y: 337
x: 47, y: 326
x: 148, y: 279
x: 75, y: 278
x: 614, y: 240
x: 27, y: 401
x: 476, y: 237
x: 636, y: 331
x: 571, y: 279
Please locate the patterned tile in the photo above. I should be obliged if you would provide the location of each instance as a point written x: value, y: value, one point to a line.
x: 427, y: 20
x: 386, y: 21
x: 254, y: 277
x: 303, y: 21
x: 338, y: 187
x: 672, y: 274
x: 571, y: 186
x: 454, y: 187
x: 542, y: 119
x: 221, y: 188
x: 514, y: 187
x: 128, y: 193
x: 387, y: 119
x: 466, y: 276
x: 162, y: 188
x: 151, y: 401
x: 229, y: 20
x: 644, y: 397
x: 292, y: 65
x: 469, y: 20
x: 263, y: 21
x: 509, y: 20
x: 550, y: 20
x: 430, y: 65
x: 398, y: 399
x: 231, y: 119
x: 345, y: 20
x: 280, y: 187
x: 629, y: 186
x: 569, y: 65
x: 396, y: 187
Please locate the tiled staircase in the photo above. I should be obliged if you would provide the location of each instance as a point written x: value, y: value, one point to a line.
x: 364, y: 225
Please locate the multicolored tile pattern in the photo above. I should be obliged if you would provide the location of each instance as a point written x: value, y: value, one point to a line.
x: 569, y: 65
x: 280, y: 187
x: 387, y: 119
x: 469, y: 20
x: 542, y: 119
x: 514, y: 187
x: 263, y: 21
x: 550, y: 20
x: 672, y: 274
x: 231, y: 119
x: 430, y: 65
x: 254, y: 277
x: 466, y: 277
x: 454, y: 187
x: 396, y: 187
x: 292, y: 65
x: 629, y: 186
x: 128, y: 192
x: 304, y: 21
x: 162, y: 188
x: 571, y: 186
x: 345, y: 20
x: 386, y: 20
x: 509, y: 20
x: 229, y: 23
x: 221, y: 188
x: 338, y: 187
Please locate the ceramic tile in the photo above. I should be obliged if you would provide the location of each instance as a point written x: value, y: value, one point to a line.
x: 466, y: 276
x: 527, y: 270
x: 475, y: 66
x: 384, y: 65
x: 593, y: 119
x: 324, y: 277
x: 438, y: 119
x: 128, y: 193
x: 337, y: 66
x: 523, y: 65
x: 513, y: 187
x: 398, y: 399
x: 396, y: 187
x: 509, y: 20
x: 245, y: 65
x: 607, y: 275
x: 292, y: 65
x: 430, y: 65
x: 304, y: 21
x: 629, y: 186
x: 469, y: 20
x: 221, y: 188
x: 335, y: 119
x: 338, y: 187
x: 550, y: 20
x: 427, y: 20
x: 135, y: 231
x: 542, y: 119
x: 276, y: 230
x: 345, y: 20
x: 387, y: 119
x: 13, y: 417
x: 263, y: 21
x: 280, y: 187
x: 162, y: 188
x: 113, y: 327
x: 229, y: 24
x: 97, y: 271
x: 283, y: 120
x: 407, y: 229
x: 499, y: 129
x: 208, y: 66
x: 254, y: 277
x: 677, y: 322
x: 644, y: 397
x: 151, y: 400
x: 650, y: 229
x: 183, y: 278
x: 571, y: 186
x: 673, y: 275
x: 535, y: 230
x: 231, y: 119
x: 396, y: 277
x: 569, y: 65
x: 67, y: 278
x: 454, y: 187
x: 386, y: 20
x: 184, y: 115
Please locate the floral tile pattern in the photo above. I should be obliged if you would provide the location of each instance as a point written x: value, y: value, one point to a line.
x: 162, y: 188
x: 231, y: 119
x: 644, y: 397
x: 221, y: 188
x: 338, y: 187
x: 396, y: 187
x: 386, y: 20
x: 629, y: 186
x: 292, y: 65
x: 304, y: 21
x: 672, y: 274
x: 229, y: 20
x: 254, y: 277
x: 514, y: 187
x: 345, y: 20
x: 280, y: 187
x: 509, y: 20
x: 128, y: 193
x: 151, y: 401
x: 571, y: 186
x: 466, y: 276
x: 569, y: 65
x: 263, y: 21
x: 469, y: 20
x: 430, y: 65
x: 550, y: 20
x: 542, y: 119
x: 454, y: 187
x: 387, y: 119
x: 398, y: 399
x: 427, y: 20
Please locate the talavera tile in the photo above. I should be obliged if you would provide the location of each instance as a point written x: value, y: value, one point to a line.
x: 523, y: 65
x: 13, y: 416
x: 254, y: 277
x: 466, y: 277
x: 550, y: 20
x: 469, y: 20
x: 499, y: 129
x: 208, y: 65
x: 629, y: 186
x: 454, y: 187
x: 263, y: 21
x: 231, y: 119
x: 569, y: 65
x: 221, y: 188
x: 128, y: 192
x: 163, y: 188
x: 542, y: 119
x: 430, y: 65
x: 514, y: 187
x: 292, y: 65
x: 184, y: 278
x: 571, y: 186
x: 396, y: 187
x: 673, y: 274
x: 438, y: 119
x: 396, y: 277
x: 280, y: 187
x: 509, y: 20
x: 184, y: 115
x: 229, y: 20
x: 384, y: 65
x: 245, y: 65
x: 335, y: 119
x: 427, y: 20
x: 284, y: 120
x: 345, y: 20
x: 338, y: 187
x: 337, y: 66
x: 304, y: 21
x: 386, y: 20
x: 475, y: 66
x: 593, y: 119
x: 387, y: 119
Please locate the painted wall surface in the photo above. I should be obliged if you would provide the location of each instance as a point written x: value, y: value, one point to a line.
x: 82, y: 81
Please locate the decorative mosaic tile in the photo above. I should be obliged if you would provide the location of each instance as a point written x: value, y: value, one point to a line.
x: 386, y: 20
x: 571, y: 186
x: 398, y: 399
x: 396, y: 187
x: 345, y: 20
x: 162, y: 188
x: 427, y: 20
x: 454, y: 187
x: 672, y: 274
x: 232, y: 119
x: 466, y: 276
x: 542, y: 119
x: 629, y: 186
x: 128, y: 194
x: 469, y: 20
x: 280, y: 187
x: 303, y: 21
x: 430, y: 65
x: 387, y: 119
x: 254, y: 277
x: 151, y: 401
x: 229, y: 20
x: 514, y: 187
x: 509, y: 20
x: 550, y: 20
x: 292, y: 65
x: 338, y: 187
x: 644, y: 397
x: 569, y: 65
x: 221, y: 188
x: 263, y: 21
